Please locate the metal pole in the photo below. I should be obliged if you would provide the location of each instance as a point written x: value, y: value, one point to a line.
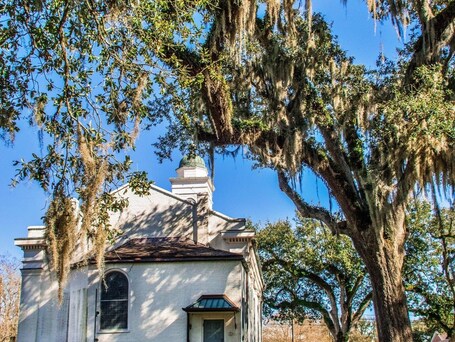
x: 95, y: 339
x: 292, y: 330
x: 188, y: 327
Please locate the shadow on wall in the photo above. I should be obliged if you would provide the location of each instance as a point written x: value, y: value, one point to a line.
x: 165, y: 288
x: 157, y: 221
x: 40, y: 308
x: 173, y: 286
x: 161, y: 214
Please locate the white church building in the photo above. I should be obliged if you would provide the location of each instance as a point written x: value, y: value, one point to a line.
x: 180, y: 271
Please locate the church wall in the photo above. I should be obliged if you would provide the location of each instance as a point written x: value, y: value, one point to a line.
x: 257, y: 288
x: 158, y: 214
x: 159, y: 291
x: 41, y: 316
x: 218, y: 223
x: 77, y: 305
x: 30, y: 298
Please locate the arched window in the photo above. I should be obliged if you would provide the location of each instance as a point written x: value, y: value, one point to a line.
x: 114, y: 302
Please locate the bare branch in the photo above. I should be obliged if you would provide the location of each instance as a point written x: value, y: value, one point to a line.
x: 351, y: 293
x: 305, y: 209
x: 362, y: 307
x: 311, y: 305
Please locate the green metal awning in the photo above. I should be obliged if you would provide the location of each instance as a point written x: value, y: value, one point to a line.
x: 212, y: 303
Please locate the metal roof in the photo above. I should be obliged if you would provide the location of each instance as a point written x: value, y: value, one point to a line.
x: 212, y: 303
x: 192, y: 161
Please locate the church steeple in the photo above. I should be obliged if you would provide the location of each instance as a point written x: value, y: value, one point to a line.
x: 192, y: 180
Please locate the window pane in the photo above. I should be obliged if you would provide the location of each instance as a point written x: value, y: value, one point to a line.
x: 114, y: 286
x: 213, y: 330
x: 114, y: 301
x: 114, y: 315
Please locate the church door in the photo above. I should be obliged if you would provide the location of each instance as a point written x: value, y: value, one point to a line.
x: 214, y: 330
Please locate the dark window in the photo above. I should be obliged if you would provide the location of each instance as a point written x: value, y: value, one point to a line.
x: 214, y: 330
x: 114, y: 301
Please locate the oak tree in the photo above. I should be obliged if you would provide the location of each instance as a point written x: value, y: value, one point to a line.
x: 429, y: 272
x: 309, y: 273
x: 269, y: 76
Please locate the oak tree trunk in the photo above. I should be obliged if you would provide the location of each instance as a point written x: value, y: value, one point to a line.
x: 383, y: 256
x: 340, y: 337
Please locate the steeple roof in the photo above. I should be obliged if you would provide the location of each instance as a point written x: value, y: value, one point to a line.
x: 192, y: 161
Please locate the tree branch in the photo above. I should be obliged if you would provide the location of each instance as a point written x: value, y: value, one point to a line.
x: 332, y: 139
x: 313, y: 306
x: 306, y: 210
x: 362, y: 307
x: 214, y: 90
x: 438, y: 33
x: 351, y: 293
x: 314, y: 278
x: 271, y: 141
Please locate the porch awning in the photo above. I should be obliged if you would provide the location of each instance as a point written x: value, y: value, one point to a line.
x: 210, y: 303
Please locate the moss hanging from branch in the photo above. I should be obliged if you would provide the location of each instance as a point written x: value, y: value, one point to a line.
x: 419, y: 132
x: 61, y: 236
x: 94, y: 224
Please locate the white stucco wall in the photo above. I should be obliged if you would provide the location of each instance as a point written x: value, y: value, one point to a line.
x: 40, y: 318
x: 156, y: 215
x: 218, y: 223
x: 30, y: 298
x: 163, y: 214
x: 159, y: 291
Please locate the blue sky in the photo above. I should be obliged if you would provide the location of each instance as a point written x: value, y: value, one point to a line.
x: 240, y: 191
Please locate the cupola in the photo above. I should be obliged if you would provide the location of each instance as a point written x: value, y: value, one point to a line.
x: 192, y: 180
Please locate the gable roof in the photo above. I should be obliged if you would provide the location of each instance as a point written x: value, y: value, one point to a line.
x: 165, y: 249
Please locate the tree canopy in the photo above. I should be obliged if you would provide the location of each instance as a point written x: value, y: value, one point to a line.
x: 309, y: 273
x: 266, y: 75
x: 430, y: 266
